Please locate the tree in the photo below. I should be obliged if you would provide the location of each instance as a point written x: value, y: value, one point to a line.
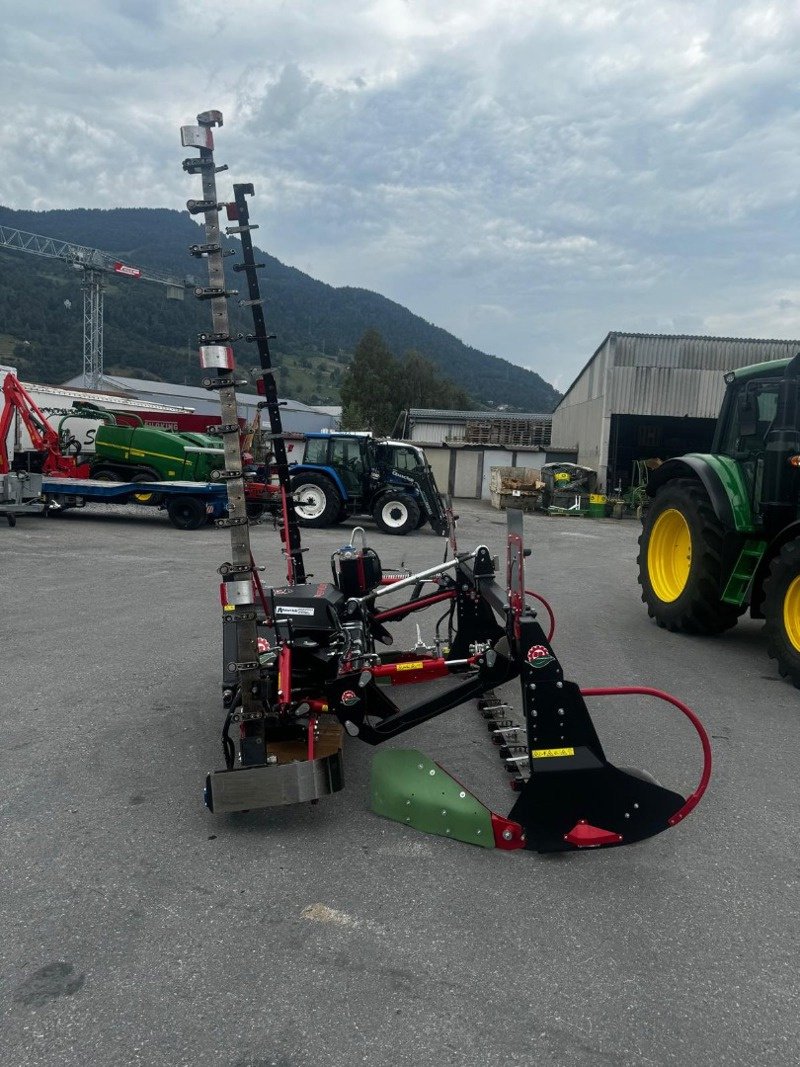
x: 369, y: 387
x: 421, y: 386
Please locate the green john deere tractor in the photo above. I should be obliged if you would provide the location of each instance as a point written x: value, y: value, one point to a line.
x: 722, y: 533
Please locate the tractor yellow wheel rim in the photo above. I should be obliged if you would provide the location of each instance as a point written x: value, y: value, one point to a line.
x: 669, y: 555
x: 791, y: 612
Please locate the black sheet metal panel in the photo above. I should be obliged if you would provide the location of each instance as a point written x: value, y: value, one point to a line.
x: 571, y: 782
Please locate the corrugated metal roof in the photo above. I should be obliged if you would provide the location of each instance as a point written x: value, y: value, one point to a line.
x: 192, y: 393
x: 446, y: 415
x: 696, y: 353
x: 98, y: 396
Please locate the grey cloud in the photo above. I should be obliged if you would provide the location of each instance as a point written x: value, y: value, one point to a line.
x: 528, y: 176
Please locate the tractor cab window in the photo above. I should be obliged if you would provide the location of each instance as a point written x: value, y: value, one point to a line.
x: 316, y: 451
x: 345, y: 455
x: 750, y: 417
x: 405, y: 460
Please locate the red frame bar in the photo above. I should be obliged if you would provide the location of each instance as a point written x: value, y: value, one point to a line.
x: 643, y: 690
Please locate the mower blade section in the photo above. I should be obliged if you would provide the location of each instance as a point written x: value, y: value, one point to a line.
x: 410, y: 788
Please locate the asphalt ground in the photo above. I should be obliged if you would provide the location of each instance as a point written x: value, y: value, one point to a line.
x: 136, y: 928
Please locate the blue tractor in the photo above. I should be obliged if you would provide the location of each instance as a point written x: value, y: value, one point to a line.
x: 344, y: 474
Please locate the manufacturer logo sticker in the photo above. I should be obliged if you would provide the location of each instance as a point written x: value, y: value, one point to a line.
x: 539, y: 656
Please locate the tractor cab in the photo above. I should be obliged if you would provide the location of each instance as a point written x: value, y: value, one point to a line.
x: 750, y: 404
x: 346, y: 454
x: 758, y: 429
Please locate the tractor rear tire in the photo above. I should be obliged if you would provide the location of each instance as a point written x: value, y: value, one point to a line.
x: 186, y: 512
x: 782, y: 611
x: 323, y: 501
x: 255, y: 509
x: 396, y: 513
x: 680, y: 561
x: 146, y: 499
x: 108, y: 474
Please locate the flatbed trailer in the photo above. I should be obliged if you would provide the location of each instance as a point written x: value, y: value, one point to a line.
x: 189, y: 505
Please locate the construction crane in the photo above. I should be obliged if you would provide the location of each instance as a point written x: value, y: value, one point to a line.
x: 95, y: 264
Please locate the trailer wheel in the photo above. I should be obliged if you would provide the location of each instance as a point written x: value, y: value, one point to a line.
x: 186, y: 512
x: 782, y: 611
x: 316, y: 501
x: 680, y: 561
x: 396, y: 513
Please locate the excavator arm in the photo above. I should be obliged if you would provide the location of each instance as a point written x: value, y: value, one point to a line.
x: 44, y: 438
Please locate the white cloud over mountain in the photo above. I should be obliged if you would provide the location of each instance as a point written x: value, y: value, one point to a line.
x: 526, y: 175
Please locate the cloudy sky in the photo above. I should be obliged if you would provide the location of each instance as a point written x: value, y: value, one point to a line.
x: 528, y: 174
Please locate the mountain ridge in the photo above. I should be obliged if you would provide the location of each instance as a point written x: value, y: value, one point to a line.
x: 317, y: 325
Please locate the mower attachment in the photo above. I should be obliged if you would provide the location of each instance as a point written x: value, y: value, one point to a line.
x: 303, y: 662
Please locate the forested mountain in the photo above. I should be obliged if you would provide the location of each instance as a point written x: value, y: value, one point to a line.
x: 317, y: 326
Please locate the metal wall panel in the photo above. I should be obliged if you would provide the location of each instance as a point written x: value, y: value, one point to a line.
x: 665, y: 391
x: 466, y: 480
x: 439, y: 459
x: 579, y: 426
x: 433, y: 433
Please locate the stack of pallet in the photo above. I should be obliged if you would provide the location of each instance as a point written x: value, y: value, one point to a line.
x: 515, y: 487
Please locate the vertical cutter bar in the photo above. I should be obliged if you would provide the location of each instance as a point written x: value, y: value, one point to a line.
x: 246, y: 629
x: 515, y: 570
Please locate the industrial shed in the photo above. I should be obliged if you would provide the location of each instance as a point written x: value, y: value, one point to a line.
x: 463, y: 446
x: 645, y: 396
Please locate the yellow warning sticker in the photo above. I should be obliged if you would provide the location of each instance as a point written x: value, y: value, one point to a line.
x: 548, y: 753
x: 417, y: 665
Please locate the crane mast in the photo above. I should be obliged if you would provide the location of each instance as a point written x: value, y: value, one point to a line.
x: 95, y: 264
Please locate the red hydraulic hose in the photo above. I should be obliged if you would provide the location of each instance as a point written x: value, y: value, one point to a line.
x: 643, y: 690
x: 548, y: 609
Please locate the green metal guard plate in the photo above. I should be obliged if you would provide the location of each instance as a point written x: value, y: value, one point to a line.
x: 410, y: 788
